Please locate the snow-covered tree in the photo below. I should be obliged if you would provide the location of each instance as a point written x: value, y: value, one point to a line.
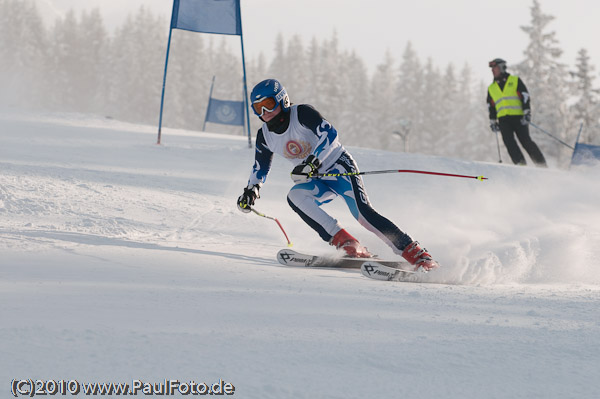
x: 278, y: 62
x: 382, y: 108
x: 546, y: 78
x: 296, y: 78
x: 471, y: 139
x: 78, y: 66
x: 93, y: 41
x: 422, y: 137
x: 64, y: 71
x: 447, y: 137
x: 313, y: 72
x: 23, y: 51
x: 586, y: 109
x: 138, y: 65
x: 409, y: 92
x: 329, y: 95
x: 188, y: 81
x: 353, y: 123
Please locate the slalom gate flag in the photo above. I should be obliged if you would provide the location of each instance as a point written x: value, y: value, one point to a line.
x: 207, y: 16
x: 225, y: 112
x: 585, y: 154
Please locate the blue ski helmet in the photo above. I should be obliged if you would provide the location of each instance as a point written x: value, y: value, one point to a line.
x: 269, y: 88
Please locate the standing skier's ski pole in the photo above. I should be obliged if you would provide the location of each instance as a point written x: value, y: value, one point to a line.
x: 557, y: 139
x: 289, y: 243
x: 498, y: 144
x: 378, y: 172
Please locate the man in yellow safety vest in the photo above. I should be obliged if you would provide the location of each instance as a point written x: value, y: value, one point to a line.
x: 510, y: 113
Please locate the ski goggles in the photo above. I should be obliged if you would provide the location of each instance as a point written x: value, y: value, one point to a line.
x: 268, y: 104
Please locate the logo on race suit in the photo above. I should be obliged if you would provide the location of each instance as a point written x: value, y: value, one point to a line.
x: 362, y: 193
x: 226, y: 113
x: 297, y: 149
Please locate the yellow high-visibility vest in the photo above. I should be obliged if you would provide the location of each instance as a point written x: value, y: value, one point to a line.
x: 507, y: 101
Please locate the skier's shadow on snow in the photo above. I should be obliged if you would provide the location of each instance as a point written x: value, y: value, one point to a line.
x: 91, y: 239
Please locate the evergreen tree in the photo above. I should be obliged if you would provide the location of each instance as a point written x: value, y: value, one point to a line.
x: 23, y: 51
x: 121, y: 70
x: 423, y: 135
x: 296, y: 77
x: 278, y: 66
x: 586, y: 109
x: 77, y: 66
x: 445, y: 139
x: 546, y: 79
x: 189, y: 81
x: 91, y: 89
x: 329, y: 95
x: 66, y: 53
x: 257, y: 69
x: 354, y: 123
x: 409, y: 92
x: 138, y: 65
x: 313, y: 69
x: 474, y: 140
x: 381, y: 108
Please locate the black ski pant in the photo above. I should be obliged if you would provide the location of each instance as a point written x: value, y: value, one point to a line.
x: 509, y: 127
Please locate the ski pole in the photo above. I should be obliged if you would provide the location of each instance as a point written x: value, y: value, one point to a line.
x: 289, y: 243
x: 555, y: 138
x: 498, y: 144
x: 378, y: 172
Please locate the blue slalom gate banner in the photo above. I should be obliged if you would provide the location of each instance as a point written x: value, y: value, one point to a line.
x: 207, y: 16
x: 211, y: 16
x: 585, y: 154
x: 225, y: 112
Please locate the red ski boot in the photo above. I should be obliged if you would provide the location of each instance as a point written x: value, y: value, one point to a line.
x: 419, y: 257
x: 343, y: 240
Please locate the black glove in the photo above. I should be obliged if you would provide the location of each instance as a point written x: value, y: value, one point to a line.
x: 494, y: 125
x: 246, y: 200
x: 526, y: 117
x: 306, y: 169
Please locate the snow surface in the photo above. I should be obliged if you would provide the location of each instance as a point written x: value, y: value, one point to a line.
x: 121, y: 259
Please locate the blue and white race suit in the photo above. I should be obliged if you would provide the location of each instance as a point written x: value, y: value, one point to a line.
x: 309, y: 133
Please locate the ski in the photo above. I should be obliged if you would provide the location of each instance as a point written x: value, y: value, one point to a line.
x: 289, y: 257
x: 379, y: 271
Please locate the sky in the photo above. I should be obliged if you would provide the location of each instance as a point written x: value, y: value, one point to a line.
x: 457, y: 32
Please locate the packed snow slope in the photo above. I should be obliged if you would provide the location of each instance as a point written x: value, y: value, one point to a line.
x: 124, y: 260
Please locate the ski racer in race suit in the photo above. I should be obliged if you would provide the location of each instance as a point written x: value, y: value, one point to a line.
x: 301, y: 135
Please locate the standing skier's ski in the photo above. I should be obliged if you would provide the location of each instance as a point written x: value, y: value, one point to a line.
x: 288, y: 257
x: 378, y: 271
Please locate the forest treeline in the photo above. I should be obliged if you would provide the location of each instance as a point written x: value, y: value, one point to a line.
x: 405, y: 103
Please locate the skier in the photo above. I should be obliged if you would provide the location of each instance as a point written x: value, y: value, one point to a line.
x: 300, y: 134
x: 510, y: 113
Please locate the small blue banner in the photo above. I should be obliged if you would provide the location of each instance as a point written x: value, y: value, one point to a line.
x: 225, y: 112
x: 585, y: 154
